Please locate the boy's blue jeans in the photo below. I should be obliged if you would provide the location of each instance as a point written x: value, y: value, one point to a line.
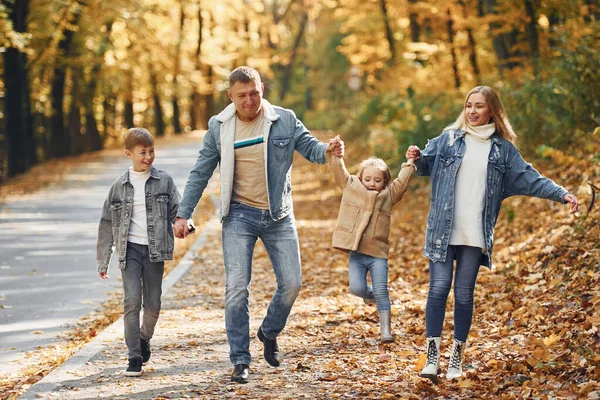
x: 142, y: 284
x: 241, y: 229
x: 440, y: 280
x: 358, y: 266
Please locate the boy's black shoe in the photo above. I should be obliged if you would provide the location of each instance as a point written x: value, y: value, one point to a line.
x: 271, y: 353
x: 146, y: 353
x: 134, y: 368
x: 240, y: 373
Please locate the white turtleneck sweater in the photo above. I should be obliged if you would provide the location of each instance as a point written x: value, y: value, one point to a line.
x: 470, y: 187
x: 138, y: 227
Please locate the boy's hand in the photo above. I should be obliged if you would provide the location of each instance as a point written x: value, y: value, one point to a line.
x: 103, y: 275
x: 336, y: 147
x: 413, y: 152
x: 180, y: 228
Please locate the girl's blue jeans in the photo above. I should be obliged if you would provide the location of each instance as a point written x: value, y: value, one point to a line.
x: 358, y: 266
x: 440, y: 279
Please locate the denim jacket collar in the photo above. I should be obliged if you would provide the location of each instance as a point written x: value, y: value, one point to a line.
x: 154, y: 173
x: 229, y: 112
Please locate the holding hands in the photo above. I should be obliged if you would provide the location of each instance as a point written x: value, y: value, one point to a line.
x: 570, y: 198
x: 413, y: 153
x: 336, y: 147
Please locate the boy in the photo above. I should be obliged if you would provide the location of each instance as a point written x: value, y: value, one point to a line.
x: 137, y: 219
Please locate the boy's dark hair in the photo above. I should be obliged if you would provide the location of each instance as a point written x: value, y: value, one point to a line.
x: 137, y: 137
x: 244, y: 74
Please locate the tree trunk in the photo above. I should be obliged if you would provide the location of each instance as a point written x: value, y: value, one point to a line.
x: 415, y: 28
x: 59, y: 139
x: 208, y: 98
x: 128, y: 101
x: 453, y: 50
x: 388, y: 33
x: 74, y: 118
x: 533, y: 35
x: 288, y: 69
x: 503, y: 43
x: 472, y: 45
x: 175, y: 100
x: 159, y: 123
x: 20, y: 140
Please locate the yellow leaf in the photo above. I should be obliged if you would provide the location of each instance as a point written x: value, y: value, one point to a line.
x: 550, y: 340
x: 420, y: 362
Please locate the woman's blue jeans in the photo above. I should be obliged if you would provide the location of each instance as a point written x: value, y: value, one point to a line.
x: 358, y: 266
x: 440, y: 279
x: 241, y: 229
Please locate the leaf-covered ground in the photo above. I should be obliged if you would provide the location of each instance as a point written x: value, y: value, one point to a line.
x: 535, y: 331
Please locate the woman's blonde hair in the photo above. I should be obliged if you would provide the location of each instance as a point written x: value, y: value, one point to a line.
x: 380, y: 165
x: 497, y: 112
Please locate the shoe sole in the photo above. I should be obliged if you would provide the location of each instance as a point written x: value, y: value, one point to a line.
x: 128, y: 373
x: 388, y: 341
x: 239, y: 380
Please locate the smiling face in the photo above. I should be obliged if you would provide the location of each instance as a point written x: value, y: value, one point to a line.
x: 477, y: 111
x: 373, y: 178
x: 142, y: 157
x: 247, y: 98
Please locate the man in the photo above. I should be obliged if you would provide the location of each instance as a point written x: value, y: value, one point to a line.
x: 254, y: 143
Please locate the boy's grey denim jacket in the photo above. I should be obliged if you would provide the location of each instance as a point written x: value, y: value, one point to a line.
x: 283, y: 133
x: 507, y: 175
x: 162, y: 202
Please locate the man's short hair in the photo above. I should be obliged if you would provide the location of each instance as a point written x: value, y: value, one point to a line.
x: 138, y: 137
x: 244, y: 74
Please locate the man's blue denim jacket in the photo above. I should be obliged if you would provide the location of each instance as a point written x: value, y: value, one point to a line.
x: 162, y: 201
x: 507, y: 175
x: 282, y: 132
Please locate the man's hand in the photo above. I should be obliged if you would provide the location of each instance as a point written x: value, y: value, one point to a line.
x: 413, y: 152
x: 336, y: 147
x: 180, y: 228
x: 570, y: 198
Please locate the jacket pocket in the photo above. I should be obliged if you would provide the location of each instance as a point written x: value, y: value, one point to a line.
x: 347, y: 217
x: 116, y: 213
x: 162, y: 202
x: 382, y: 227
x: 281, y: 148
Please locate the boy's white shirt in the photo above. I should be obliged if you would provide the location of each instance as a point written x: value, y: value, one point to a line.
x: 138, y: 227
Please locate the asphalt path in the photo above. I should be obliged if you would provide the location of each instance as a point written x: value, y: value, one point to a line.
x: 48, y: 276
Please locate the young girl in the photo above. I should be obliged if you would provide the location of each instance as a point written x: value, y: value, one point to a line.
x: 473, y: 165
x: 363, y: 228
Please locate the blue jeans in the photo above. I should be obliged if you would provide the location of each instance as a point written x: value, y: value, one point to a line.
x: 440, y: 280
x: 358, y: 266
x: 241, y: 229
x: 142, y: 285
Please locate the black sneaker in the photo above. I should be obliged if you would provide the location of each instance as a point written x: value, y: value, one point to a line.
x: 240, y: 373
x: 271, y: 352
x: 146, y: 353
x: 134, y: 368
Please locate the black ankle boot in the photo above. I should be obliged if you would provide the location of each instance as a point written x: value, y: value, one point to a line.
x: 240, y: 373
x: 271, y: 353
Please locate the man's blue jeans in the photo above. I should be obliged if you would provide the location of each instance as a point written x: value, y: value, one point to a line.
x: 440, y: 279
x: 358, y: 266
x: 241, y: 229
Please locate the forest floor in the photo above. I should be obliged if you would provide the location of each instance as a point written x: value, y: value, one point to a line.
x: 534, y: 335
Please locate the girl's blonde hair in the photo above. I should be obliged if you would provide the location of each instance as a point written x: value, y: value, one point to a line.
x: 380, y: 165
x: 497, y: 112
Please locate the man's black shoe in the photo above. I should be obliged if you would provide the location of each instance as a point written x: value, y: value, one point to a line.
x: 272, y: 354
x: 146, y: 353
x: 240, y: 373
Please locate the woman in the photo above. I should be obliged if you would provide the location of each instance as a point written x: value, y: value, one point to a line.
x: 473, y: 165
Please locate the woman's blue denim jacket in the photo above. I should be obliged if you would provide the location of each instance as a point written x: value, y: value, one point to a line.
x: 162, y: 201
x: 507, y: 175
